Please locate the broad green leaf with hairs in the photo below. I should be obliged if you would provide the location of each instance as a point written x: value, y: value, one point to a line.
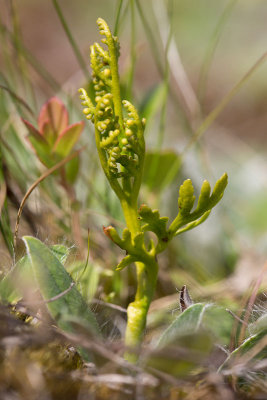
x: 182, y: 358
x: 60, y: 251
x: 20, y: 278
x: 53, y: 279
x: 187, y: 323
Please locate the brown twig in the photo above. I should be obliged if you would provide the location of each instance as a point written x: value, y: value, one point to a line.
x: 54, y: 298
x: 236, y: 317
x: 110, y: 305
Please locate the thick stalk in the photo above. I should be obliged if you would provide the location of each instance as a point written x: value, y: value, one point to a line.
x: 146, y: 283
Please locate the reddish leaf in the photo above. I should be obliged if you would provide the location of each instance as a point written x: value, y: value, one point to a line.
x: 67, y: 139
x: 34, y: 132
x: 55, y: 113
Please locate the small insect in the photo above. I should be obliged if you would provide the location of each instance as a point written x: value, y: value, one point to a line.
x: 185, y: 299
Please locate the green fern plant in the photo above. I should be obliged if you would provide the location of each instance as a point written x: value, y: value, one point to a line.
x: 119, y: 135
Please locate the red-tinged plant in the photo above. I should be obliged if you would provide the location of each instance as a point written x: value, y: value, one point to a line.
x: 55, y: 138
x: 52, y: 142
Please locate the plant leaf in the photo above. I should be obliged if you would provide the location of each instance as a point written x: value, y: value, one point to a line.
x: 39, y: 144
x: 20, y: 278
x: 193, y: 224
x: 248, y: 345
x: 134, y: 246
x: 55, y: 113
x: 127, y: 260
x: 52, y: 279
x: 72, y: 169
x: 186, y: 323
x: 205, y: 204
x: 186, y: 198
x: 153, y: 222
x: 49, y: 134
x: 67, y: 139
x: 61, y: 252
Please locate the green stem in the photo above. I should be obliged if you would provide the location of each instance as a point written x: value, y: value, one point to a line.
x: 146, y: 282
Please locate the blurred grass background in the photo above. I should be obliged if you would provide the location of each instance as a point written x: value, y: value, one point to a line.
x: 175, y: 68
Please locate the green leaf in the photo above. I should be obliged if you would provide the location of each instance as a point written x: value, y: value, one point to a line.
x: 60, y: 251
x: 249, y: 344
x: 190, y: 219
x: 153, y: 222
x: 152, y: 101
x: 127, y: 260
x: 218, y: 321
x: 134, y: 246
x: 186, y: 323
x: 204, y: 196
x: 20, y: 278
x: 182, y: 358
x: 39, y: 144
x: 186, y: 198
x: 67, y: 139
x: 72, y: 169
x: 52, y: 279
x: 16, y: 282
x: 193, y: 224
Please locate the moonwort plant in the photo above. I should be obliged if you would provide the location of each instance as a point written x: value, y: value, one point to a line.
x: 119, y: 135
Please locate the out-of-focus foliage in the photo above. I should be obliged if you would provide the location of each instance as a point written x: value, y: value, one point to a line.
x: 174, y: 82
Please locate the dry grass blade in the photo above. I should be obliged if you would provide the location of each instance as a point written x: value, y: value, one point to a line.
x: 36, y: 183
x: 188, y: 96
x: 117, y: 379
x: 17, y: 98
x: 2, y: 195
